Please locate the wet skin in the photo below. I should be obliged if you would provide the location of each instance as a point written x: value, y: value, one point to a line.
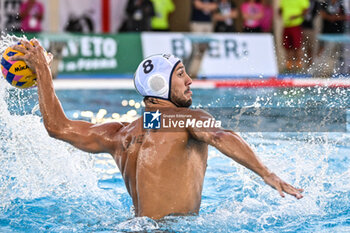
x: 163, y: 171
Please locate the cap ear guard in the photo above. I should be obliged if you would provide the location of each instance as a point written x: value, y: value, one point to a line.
x: 158, y: 84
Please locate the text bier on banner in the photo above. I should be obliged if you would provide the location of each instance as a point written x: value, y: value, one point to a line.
x: 227, y: 55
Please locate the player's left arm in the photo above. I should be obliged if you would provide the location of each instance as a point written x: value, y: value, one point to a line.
x: 236, y: 148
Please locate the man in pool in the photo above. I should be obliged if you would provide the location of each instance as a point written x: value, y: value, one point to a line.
x: 163, y: 171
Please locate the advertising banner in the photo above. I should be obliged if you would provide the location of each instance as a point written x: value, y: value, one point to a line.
x: 227, y: 54
x: 94, y: 53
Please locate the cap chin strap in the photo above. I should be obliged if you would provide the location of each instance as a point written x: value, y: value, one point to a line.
x: 168, y: 99
x: 170, y: 78
x: 174, y: 103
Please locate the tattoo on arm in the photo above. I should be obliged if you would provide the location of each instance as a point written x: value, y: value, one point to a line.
x: 139, y: 138
x: 135, y: 139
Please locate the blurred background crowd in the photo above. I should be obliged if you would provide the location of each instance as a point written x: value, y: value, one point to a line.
x: 301, y: 28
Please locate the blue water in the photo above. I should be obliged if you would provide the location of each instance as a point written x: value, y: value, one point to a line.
x: 48, y: 186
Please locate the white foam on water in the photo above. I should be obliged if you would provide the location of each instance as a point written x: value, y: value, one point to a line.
x: 302, y: 164
x: 36, y: 165
x: 301, y: 159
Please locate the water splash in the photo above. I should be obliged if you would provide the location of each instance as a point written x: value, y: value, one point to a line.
x: 35, y: 164
x: 234, y: 199
x: 41, y: 177
x: 8, y: 40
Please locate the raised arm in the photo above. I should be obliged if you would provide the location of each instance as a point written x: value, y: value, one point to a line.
x: 83, y: 135
x: 234, y: 146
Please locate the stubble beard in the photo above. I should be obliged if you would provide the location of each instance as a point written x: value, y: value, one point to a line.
x: 181, y: 102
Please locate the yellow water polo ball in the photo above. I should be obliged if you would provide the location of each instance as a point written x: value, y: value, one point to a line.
x: 17, y: 73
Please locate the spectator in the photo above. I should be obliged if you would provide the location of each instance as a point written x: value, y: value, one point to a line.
x: 162, y: 9
x: 333, y: 21
x: 293, y: 12
x: 266, y: 20
x: 309, y: 33
x: 333, y: 16
x: 346, y: 68
x: 31, y: 15
x: 252, y: 12
x: 201, y: 22
x: 224, y: 16
x: 139, y: 14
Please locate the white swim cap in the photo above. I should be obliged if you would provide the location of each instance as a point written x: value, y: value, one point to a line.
x: 153, y: 75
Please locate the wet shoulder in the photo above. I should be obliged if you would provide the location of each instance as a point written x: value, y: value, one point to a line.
x: 200, y: 114
x: 129, y: 134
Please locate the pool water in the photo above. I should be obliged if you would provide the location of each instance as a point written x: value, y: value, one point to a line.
x: 48, y: 186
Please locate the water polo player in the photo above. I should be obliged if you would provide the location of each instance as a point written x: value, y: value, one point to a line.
x: 163, y: 170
